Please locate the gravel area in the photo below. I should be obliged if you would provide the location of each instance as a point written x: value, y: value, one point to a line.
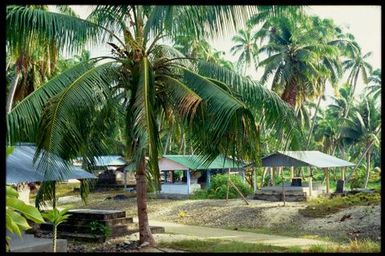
x: 259, y: 216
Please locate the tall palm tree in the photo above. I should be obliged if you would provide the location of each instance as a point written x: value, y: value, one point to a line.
x: 216, y: 106
x: 374, y: 87
x: 246, y: 46
x: 293, y: 52
x: 357, y: 65
x: 362, y: 129
x: 33, y: 60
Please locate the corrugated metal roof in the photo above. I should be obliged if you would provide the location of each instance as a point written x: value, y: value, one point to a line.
x: 195, y: 162
x: 20, y: 168
x: 108, y: 160
x: 303, y: 158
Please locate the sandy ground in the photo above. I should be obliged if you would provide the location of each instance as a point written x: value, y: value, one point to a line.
x: 259, y: 216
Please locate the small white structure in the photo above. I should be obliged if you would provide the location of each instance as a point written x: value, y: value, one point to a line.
x: 192, y: 168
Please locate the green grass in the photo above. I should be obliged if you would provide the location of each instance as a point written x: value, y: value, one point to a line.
x: 361, y: 246
x: 322, y: 207
x: 216, y: 245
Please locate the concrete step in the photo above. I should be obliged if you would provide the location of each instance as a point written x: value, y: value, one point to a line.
x: 64, y: 227
x: 109, y: 222
x: 96, y: 214
x: 82, y: 237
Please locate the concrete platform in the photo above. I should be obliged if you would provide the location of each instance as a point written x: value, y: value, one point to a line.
x: 29, y: 243
x: 292, y: 193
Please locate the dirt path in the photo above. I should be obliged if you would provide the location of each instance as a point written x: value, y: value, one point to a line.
x: 198, y: 232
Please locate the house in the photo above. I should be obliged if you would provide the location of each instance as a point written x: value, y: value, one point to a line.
x: 183, y: 174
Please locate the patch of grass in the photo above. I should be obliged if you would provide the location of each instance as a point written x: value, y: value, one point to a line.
x: 216, y: 245
x: 321, y: 207
x: 354, y: 246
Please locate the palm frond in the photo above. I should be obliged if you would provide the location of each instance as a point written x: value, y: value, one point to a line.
x: 23, y: 119
x: 57, y: 131
x: 68, y: 32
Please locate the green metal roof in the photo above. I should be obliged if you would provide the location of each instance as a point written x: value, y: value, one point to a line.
x: 195, y: 162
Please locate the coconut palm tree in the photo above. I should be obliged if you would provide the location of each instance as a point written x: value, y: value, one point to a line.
x: 362, y: 128
x: 34, y: 61
x: 374, y: 87
x: 148, y: 79
x: 357, y: 65
x: 293, y: 51
x: 247, y: 49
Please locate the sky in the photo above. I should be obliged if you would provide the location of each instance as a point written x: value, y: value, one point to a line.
x: 363, y: 21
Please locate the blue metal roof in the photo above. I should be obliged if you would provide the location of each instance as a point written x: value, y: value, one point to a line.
x: 20, y: 168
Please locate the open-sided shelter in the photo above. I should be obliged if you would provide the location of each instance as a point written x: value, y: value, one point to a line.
x: 299, y: 159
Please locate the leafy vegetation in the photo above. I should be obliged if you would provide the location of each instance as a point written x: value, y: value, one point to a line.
x: 220, y: 186
x: 99, y: 228
x: 56, y: 217
x: 165, y: 89
x: 17, y: 213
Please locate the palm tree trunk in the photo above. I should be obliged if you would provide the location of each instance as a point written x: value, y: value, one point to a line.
x: 313, y: 121
x: 290, y: 93
x: 12, y: 91
x: 145, y: 234
x: 54, y: 238
x: 367, y: 168
x: 362, y: 156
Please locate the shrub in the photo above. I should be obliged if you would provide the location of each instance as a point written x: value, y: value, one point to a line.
x: 218, y: 187
x: 199, y: 194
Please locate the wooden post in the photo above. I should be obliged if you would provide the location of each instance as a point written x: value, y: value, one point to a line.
x: 263, y: 176
x: 188, y: 181
x: 125, y: 178
x: 343, y: 173
x: 272, y: 175
x: 310, y: 182
x: 283, y: 188
x: 327, y: 180
x: 208, y: 178
x: 239, y: 192
x: 254, y: 180
x: 165, y: 177
x: 292, y: 172
x: 228, y: 184
x: 243, y: 175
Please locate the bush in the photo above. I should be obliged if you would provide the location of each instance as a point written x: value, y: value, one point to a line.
x: 218, y: 187
x: 199, y: 194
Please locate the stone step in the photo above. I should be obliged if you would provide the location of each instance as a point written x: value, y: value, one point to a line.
x: 96, y: 214
x: 82, y: 237
x: 279, y: 197
x: 109, y: 222
x: 64, y: 227
x: 123, y: 231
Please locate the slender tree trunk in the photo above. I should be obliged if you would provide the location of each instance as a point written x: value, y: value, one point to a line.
x: 12, y: 91
x: 145, y: 234
x: 313, y: 121
x: 168, y: 140
x: 368, y: 154
x: 362, y: 157
x: 54, y: 238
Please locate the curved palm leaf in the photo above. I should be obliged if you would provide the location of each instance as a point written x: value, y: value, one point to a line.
x: 23, y: 119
